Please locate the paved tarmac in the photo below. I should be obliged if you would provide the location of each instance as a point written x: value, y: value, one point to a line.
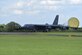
x: 15, y: 33
x: 35, y: 33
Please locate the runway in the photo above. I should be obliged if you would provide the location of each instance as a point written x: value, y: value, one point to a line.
x: 63, y: 34
x: 15, y: 33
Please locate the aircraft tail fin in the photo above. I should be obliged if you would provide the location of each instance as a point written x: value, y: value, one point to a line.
x: 56, y: 20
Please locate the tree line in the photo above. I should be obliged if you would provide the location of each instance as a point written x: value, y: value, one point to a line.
x: 10, y: 27
x: 15, y: 27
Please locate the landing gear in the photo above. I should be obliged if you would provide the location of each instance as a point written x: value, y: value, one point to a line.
x: 47, y: 30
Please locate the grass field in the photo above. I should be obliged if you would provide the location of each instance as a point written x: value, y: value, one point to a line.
x: 40, y: 44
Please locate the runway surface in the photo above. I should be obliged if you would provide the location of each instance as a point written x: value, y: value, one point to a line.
x: 42, y: 33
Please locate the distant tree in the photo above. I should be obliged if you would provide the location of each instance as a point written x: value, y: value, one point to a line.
x: 2, y: 27
x: 12, y: 26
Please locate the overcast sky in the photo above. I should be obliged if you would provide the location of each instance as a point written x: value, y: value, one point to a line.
x: 39, y: 11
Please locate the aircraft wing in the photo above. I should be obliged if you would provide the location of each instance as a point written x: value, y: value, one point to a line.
x: 47, y: 26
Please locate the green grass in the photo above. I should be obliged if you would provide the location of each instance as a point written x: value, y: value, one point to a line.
x: 40, y: 44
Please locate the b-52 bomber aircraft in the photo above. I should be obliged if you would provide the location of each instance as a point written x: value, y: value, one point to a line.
x: 45, y: 27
